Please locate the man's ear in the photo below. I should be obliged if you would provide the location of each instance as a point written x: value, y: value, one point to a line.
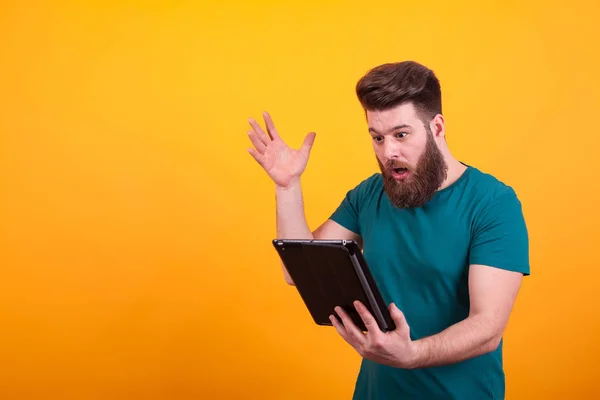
x: 437, y: 126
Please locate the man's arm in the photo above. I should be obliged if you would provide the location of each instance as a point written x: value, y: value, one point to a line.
x: 291, y: 221
x: 492, y: 294
x: 285, y: 167
x: 499, y: 239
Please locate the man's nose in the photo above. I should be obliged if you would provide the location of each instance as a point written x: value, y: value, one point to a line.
x: 392, y: 149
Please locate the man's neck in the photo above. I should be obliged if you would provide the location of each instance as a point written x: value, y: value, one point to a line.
x: 455, y: 171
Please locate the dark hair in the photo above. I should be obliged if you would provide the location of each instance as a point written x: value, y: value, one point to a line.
x: 389, y: 85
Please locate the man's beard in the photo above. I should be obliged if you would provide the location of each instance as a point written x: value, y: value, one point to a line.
x: 422, y: 182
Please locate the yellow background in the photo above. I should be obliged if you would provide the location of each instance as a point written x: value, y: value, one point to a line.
x: 127, y: 191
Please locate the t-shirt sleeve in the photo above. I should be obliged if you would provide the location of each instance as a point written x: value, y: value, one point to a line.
x: 348, y: 212
x: 500, y: 237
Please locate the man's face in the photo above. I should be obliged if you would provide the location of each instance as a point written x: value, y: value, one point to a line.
x: 411, y: 162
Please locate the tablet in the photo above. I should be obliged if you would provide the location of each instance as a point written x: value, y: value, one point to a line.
x: 330, y: 273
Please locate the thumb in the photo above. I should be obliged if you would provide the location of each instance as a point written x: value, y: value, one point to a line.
x: 398, y: 317
x: 308, y: 142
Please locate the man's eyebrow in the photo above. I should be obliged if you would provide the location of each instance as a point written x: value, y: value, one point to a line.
x: 393, y: 129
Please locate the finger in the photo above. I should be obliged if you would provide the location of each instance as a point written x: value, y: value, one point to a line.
x: 355, y: 335
x: 338, y: 327
x: 367, y: 318
x: 257, y: 156
x: 308, y: 142
x: 398, y: 318
x: 260, y: 134
x: 270, y: 126
x: 258, y: 144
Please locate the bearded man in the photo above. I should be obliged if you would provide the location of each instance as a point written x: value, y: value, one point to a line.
x: 447, y: 244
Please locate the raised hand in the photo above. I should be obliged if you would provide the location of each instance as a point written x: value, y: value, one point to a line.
x: 283, y: 164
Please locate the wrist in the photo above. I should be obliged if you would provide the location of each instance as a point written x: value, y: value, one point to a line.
x: 419, y: 354
x: 292, y: 185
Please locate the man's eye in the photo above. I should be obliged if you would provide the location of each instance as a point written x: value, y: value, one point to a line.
x: 401, y: 135
x: 377, y: 138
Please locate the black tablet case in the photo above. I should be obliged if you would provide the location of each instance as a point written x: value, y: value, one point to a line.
x: 330, y: 273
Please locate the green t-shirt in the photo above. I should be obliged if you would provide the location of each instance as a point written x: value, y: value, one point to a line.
x: 420, y: 260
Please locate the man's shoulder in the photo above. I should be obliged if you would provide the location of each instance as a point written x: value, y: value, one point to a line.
x: 357, y: 200
x: 487, y: 186
x: 490, y: 197
x: 365, y: 190
x: 370, y: 183
x: 499, y: 234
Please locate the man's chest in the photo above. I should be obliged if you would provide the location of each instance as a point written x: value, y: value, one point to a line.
x: 425, y: 245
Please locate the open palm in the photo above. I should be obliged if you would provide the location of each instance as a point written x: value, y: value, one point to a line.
x: 282, y: 163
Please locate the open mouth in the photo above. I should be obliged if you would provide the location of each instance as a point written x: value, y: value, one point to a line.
x: 399, y: 173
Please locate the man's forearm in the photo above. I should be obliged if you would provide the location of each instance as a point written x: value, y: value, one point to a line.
x: 291, y: 220
x: 290, y: 216
x: 466, y: 339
